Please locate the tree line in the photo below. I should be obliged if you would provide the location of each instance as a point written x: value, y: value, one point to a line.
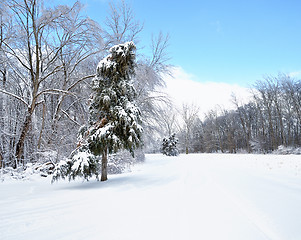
x: 270, y: 119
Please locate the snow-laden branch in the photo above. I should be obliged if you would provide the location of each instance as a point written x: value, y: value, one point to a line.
x: 160, y: 97
x: 82, y: 58
x: 66, y: 92
x: 13, y: 53
x: 54, y: 91
x: 80, y: 80
x: 40, y: 102
x: 15, y: 96
x: 68, y: 116
x: 57, y: 69
x: 9, y: 134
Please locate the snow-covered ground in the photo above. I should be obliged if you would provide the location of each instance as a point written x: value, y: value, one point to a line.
x: 196, y: 196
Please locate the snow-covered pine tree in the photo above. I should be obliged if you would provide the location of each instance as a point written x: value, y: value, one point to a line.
x: 169, y: 146
x: 115, y: 119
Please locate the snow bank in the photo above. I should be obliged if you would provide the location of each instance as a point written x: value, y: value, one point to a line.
x: 28, y: 172
x: 287, y: 150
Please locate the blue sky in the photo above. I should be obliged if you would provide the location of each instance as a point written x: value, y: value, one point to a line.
x: 233, y: 41
x: 229, y: 41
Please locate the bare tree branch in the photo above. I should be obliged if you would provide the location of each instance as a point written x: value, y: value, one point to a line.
x: 14, y: 96
x: 71, y: 118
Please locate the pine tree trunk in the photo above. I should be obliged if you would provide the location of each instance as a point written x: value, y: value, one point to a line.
x: 104, y: 166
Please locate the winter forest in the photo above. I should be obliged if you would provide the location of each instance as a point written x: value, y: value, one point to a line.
x: 49, y: 56
x: 86, y: 101
x: 48, y: 59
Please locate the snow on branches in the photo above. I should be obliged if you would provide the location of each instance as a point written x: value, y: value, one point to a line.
x: 169, y: 146
x: 115, y: 119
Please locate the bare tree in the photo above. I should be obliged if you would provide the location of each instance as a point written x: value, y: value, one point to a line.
x: 292, y: 100
x: 121, y: 25
x: 189, y: 114
x: 267, y: 102
x: 43, y: 37
x: 160, y: 54
x: 168, y: 121
x: 245, y: 121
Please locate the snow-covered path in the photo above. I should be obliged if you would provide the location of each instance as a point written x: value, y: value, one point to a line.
x: 201, y: 196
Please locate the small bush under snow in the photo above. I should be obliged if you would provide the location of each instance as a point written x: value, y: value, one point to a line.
x: 282, y: 150
x: 26, y: 172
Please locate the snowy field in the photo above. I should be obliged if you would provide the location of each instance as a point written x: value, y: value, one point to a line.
x: 201, y: 196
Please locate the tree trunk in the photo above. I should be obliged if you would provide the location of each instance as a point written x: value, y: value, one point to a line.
x: 43, y: 125
x: 104, y: 166
x: 20, y: 145
x: 1, y: 160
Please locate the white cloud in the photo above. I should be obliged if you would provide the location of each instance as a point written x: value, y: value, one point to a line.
x: 295, y: 74
x: 183, y: 88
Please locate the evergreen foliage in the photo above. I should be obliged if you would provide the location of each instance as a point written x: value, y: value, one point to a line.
x: 169, y: 146
x: 114, y: 121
